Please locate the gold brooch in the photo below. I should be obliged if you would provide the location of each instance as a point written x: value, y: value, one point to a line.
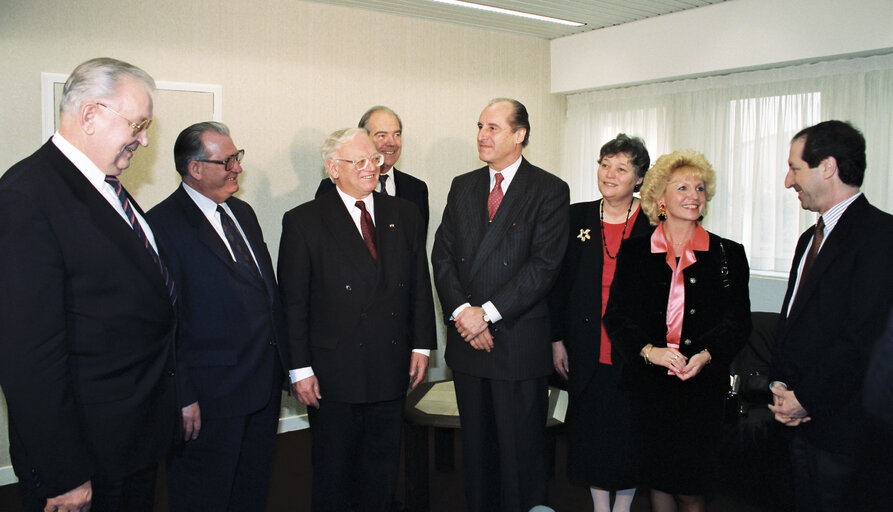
x: 584, y: 235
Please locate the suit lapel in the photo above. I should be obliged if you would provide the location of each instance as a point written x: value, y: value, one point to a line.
x: 106, y: 218
x: 387, y: 226
x: 258, y: 246
x: 834, y: 244
x: 513, y: 201
x: 345, y: 233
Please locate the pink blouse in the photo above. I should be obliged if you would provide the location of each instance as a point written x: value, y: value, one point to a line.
x: 700, y: 241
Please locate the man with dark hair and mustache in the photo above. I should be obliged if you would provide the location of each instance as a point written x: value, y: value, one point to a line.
x: 86, y: 307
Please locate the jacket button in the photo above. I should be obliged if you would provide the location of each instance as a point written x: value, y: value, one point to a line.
x: 394, y: 314
x: 692, y: 280
x: 171, y: 372
x: 362, y: 345
x: 687, y: 342
x: 363, y: 315
x: 586, y: 320
x: 468, y: 296
x: 393, y: 342
x: 348, y: 288
x: 505, y: 263
x: 692, y: 311
x: 462, y: 260
x: 496, y: 329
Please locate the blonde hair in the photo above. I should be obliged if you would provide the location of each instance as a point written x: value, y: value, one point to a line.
x: 658, y: 177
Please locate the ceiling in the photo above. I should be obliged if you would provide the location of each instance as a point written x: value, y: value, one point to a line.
x: 595, y: 14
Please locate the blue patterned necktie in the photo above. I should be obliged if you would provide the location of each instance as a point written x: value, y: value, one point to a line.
x: 134, y: 223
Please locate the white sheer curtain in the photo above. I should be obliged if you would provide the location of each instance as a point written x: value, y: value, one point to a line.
x: 743, y: 124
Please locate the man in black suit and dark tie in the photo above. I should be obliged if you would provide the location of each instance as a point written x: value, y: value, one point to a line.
x: 231, y: 343
x: 496, y: 255
x: 87, y: 316
x: 386, y: 130
x: 357, y: 294
x: 839, y: 295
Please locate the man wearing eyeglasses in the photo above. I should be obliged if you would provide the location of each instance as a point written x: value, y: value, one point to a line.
x: 355, y: 286
x: 386, y: 130
x: 86, y: 306
x: 231, y: 338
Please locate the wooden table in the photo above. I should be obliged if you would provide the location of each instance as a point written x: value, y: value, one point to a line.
x: 433, y: 405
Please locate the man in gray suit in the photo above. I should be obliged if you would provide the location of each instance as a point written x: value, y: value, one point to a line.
x: 496, y: 255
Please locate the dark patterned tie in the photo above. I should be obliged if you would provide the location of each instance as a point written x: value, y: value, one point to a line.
x: 495, y: 197
x: 383, y: 179
x: 817, y: 236
x: 237, y: 244
x: 368, y: 229
x: 134, y: 223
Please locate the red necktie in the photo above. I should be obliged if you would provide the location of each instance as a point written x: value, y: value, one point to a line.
x: 495, y: 197
x: 368, y: 229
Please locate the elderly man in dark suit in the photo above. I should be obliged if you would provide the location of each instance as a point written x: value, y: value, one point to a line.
x: 386, y: 130
x: 86, y: 308
x: 231, y: 336
x: 354, y: 278
x: 496, y: 255
x: 839, y: 294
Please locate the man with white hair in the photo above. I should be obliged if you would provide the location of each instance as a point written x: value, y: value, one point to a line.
x: 357, y: 297
x: 86, y: 307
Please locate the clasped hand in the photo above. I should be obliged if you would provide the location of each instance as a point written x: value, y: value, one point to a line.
x: 473, y: 329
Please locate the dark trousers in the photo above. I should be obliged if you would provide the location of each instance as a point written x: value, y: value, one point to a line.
x: 132, y: 493
x: 356, y: 455
x: 503, y: 442
x: 228, y: 467
x: 823, y: 480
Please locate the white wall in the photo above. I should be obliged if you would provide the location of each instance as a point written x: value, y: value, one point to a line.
x: 720, y: 38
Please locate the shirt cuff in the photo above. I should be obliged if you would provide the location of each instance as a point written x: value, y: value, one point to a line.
x: 459, y: 310
x: 423, y: 351
x: 491, y: 312
x: 774, y: 382
x: 300, y: 373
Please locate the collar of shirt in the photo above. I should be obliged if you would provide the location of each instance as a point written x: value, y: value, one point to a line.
x: 350, y: 204
x: 508, y: 174
x: 834, y: 213
x: 81, y: 161
x: 209, y: 209
x: 97, y: 178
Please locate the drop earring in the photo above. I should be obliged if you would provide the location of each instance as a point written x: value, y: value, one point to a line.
x: 662, y: 212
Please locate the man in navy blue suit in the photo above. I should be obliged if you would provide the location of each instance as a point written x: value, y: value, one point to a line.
x: 839, y: 294
x: 86, y: 307
x: 231, y: 339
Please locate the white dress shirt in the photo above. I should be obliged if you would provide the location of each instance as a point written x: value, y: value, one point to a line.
x: 97, y: 178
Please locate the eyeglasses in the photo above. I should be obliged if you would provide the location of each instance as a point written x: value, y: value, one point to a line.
x: 137, y: 128
x: 376, y: 160
x: 230, y: 161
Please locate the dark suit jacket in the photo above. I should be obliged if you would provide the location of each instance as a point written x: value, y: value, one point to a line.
x: 408, y: 187
x: 86, y: 331
x: 824, y: 344
x: 716, y: 318
x: 355, y: 320
x: 231, y: 323
x: 575, y: 303
x: 512, y: 262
